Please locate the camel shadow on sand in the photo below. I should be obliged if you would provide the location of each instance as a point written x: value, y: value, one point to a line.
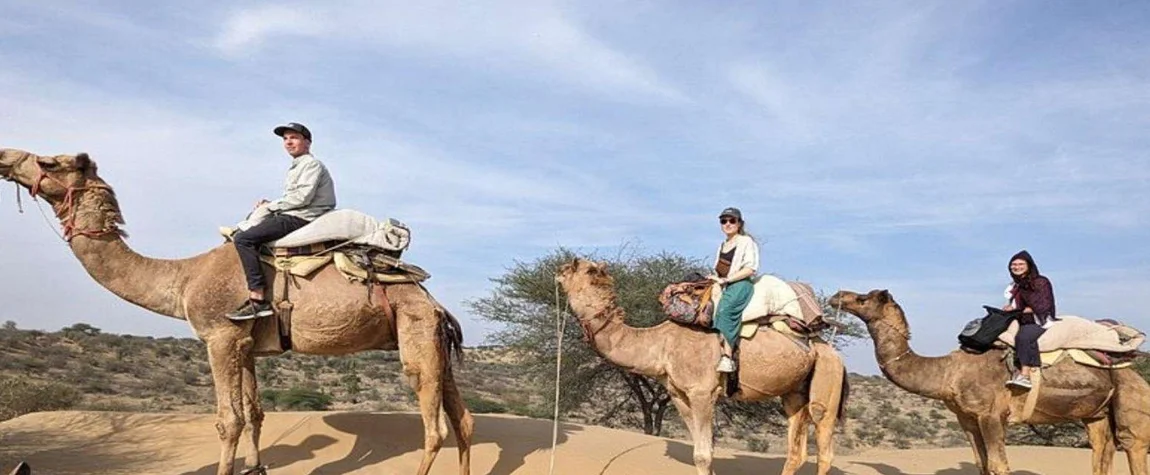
x: 964, y: 468
x: 379, y: 437
x: 742, y: 463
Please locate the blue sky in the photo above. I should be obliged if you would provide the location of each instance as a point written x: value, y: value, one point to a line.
x: 912, y: 146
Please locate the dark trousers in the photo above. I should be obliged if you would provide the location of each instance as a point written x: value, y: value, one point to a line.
x: 1026, y: 344
x: 248, y: 244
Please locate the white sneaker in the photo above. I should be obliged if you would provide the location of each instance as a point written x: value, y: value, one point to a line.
x: 1020, y: 381
x: 726, y: 365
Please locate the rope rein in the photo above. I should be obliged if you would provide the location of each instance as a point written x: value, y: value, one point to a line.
x: 66, y: 211
x: 560, y: 327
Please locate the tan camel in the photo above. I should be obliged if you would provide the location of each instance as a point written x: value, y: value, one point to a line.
x: 811, y: 383
x: 1114, y: 404
x: 330, y: 316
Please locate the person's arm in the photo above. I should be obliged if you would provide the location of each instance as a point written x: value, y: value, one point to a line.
x: 1042, y: 299
x: 749, y: 261
x: 300, y: 193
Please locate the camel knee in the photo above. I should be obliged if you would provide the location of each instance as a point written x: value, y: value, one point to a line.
x: 229, y: 426
x: 818, y: 411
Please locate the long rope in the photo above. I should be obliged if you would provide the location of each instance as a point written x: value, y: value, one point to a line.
x: 560, y: 327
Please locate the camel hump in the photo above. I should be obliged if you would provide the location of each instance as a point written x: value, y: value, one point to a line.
x: 22, y: 469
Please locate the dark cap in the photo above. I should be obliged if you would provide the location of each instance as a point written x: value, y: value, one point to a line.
x: 732, y: 212
x: 293, y: 126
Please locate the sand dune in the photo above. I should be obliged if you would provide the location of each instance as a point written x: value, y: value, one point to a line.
x: 69, y: 443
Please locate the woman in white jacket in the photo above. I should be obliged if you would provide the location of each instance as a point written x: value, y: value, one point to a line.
x: 736, y: 263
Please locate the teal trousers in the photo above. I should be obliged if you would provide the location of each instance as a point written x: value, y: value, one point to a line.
x: 729, y: 316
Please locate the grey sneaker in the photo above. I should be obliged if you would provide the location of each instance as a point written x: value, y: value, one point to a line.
x: 1020, y: 381
x: 251, y: 309
x: 726, y: 365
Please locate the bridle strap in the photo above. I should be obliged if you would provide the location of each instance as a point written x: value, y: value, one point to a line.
x: 67, y: 209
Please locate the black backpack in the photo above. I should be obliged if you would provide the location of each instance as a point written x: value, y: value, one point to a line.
x: 979, y: 335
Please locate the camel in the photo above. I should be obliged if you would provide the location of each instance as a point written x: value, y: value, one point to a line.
x: 812, y: 383
x: 1113, y: 404
x: 331, y: 316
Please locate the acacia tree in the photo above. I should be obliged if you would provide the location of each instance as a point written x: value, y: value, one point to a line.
x: 526, y: 302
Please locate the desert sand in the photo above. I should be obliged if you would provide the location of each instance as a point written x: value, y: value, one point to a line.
x: 67, y: 443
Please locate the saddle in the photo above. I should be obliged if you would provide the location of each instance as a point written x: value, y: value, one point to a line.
x: 788, y: 307
x: 374, y: 268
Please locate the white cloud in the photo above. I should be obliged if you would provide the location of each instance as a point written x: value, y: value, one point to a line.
x: 517, y: 37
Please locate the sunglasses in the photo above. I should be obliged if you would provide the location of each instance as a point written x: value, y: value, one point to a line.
x: 728, y: 221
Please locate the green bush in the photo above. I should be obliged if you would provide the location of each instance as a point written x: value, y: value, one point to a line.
x: 296, y: 399
x: 479, y: 405
x: 19, y: 397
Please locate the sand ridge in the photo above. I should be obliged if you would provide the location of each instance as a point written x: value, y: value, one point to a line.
x: 74, y: 443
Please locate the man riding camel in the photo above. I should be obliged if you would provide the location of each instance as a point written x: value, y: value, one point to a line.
x: 309, y: 192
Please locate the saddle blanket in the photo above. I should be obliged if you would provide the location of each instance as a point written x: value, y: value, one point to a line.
x: 1077, y: 332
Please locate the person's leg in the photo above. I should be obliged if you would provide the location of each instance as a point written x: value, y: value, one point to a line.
x: 729, y: 315
x: 248, y: 247
x: 1026, y: 344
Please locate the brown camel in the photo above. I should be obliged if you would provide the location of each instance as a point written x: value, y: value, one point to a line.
x: 331, y: 316
x: 1114, y: 404
x: 810, y: 382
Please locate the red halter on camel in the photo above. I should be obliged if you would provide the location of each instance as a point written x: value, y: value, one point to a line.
x: 67, y: 209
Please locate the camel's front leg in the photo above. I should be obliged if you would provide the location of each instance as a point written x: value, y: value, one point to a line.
x: 795, y: 405
x: 683, y: 405
x: 974, y: 436
x: 224, y: 356
x: 253, y: 412
x: 993, y: 430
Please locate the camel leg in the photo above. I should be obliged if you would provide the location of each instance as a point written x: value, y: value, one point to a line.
x: 993, y: 430
x: 253, y: 412
x: 1136, y: 456
x: 825, y: 396
x: 424, y: 361
x: 974, y: 436
x: 795, y: 405
x: 225, y: 360
x: 703, y: 418
x: 461, y: 421
x: 1101, y: 444
x: 702, y: 454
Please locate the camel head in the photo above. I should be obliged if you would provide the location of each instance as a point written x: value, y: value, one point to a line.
x: 586, y: 283
x: 49, y: 177
x: 874, y: 306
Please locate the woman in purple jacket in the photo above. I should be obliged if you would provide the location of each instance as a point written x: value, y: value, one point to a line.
x: 1034, y: 296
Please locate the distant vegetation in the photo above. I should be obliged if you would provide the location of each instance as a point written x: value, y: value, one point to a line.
x: 80, y: 367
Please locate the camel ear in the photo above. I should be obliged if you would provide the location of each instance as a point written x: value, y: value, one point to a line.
x: 82, y: 161
x: 884, y: 296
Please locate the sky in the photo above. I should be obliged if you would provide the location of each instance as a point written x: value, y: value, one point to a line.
x: 912, y: 146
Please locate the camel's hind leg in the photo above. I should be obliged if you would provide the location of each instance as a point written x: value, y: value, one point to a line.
x: 253, y: 413
x: 1131, y: 407
x: 461, y: 421
x: 827, y: 387
x: 424, y: 359
x: 795, y: 405
x: 1101, y: 444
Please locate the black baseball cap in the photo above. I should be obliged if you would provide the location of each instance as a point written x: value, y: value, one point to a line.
x: 293, y: 126
x: 732, y: 212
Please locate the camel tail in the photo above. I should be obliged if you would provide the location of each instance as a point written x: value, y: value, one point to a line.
x: 451, y: 335
x: 842, y: 411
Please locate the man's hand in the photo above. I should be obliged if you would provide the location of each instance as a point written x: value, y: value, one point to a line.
x: 261, y: 203
x: 1008, y: 308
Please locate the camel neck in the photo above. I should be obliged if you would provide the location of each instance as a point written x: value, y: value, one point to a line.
x: 154, y: 284
x: 634, y: 349
x: 925, y: 376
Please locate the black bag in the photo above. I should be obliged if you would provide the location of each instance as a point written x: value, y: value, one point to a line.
x: 979, y: 335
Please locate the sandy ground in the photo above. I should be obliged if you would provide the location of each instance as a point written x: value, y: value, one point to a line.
x: 389, y: 443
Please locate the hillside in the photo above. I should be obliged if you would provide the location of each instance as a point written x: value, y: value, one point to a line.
x: 82, y: 368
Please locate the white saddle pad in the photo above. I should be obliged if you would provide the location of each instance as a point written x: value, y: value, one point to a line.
x: 772, y: 296
x: 349, y: 225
